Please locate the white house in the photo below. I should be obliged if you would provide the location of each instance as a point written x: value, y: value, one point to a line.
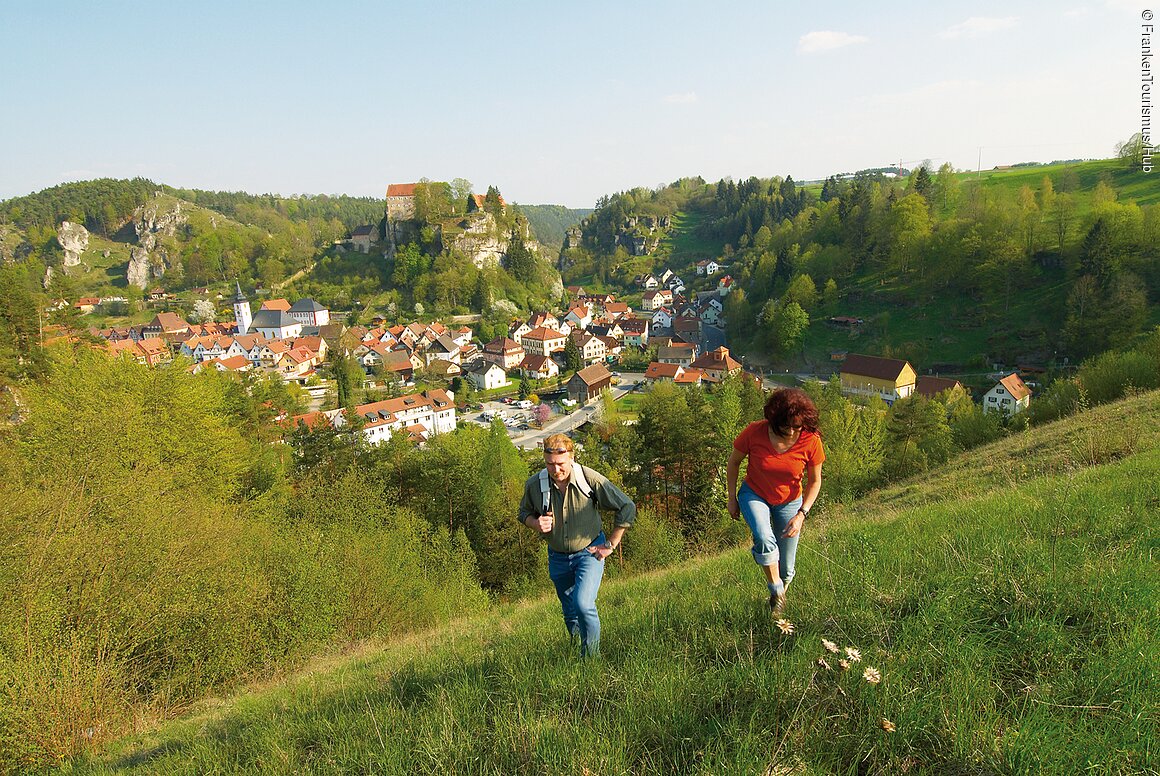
x: 579, y: 317
x: 1009, y: 396
x: 539, y: 367
x: 654, y: 300
x: 662, y: 318
x: 708, y: 267
x: 309, y: 313
x: 592, y: 348
x: 419, y: 414
x: 486, y: 375
x: 543, y: 341
x: 503, y: 351
x: 276, y: 324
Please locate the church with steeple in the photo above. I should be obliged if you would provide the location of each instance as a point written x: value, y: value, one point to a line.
x: 242, y: 311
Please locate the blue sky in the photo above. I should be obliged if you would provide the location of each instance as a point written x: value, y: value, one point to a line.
x: 551, y: 102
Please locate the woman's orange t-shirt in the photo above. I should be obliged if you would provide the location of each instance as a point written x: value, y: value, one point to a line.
x: 777, y: 477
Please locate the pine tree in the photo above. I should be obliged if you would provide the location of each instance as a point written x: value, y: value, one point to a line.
x: 573, y: 358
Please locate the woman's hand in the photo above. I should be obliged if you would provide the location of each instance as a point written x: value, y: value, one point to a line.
x: 733, y: 507
x: 795, y: 525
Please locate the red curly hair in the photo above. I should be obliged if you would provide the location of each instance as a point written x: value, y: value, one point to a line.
x: 791, y: 407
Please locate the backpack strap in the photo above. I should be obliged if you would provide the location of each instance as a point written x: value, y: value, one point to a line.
x: 578, y: 478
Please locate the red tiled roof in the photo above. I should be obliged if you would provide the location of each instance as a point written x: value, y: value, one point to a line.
x: 690, y: 376
x: 717, y: 360
x: 502, y: 345
x: 543, y: 333
x: 312, y: 421
x: 233, y: 363
x: 1015, y: 386
x: 656, y: 371
x: 591, y: 375
x: 930, y: 386
x: 401, y: 189
x: 534, y: 363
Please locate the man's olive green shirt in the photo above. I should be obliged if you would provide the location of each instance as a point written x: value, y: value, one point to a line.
x: 576, y: 521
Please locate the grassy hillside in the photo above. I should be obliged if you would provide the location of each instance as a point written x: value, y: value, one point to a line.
x: 1010, y: 604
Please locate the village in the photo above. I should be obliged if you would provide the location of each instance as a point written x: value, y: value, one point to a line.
x: 666, y: 338
x: 568, y: 356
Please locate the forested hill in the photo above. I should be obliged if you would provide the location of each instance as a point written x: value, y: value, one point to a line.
x: 115, y: 238
x: 549, y: 222
x: 188, y: 237
x: 1028, y: 264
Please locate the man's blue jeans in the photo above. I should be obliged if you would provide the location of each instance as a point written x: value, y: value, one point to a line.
x: 767, y: 523
x: 577, y: 576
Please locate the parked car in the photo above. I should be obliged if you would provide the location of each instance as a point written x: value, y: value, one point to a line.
x: 524, y: 404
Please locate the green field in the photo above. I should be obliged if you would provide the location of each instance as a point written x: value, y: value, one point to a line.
x: 1010, y: 604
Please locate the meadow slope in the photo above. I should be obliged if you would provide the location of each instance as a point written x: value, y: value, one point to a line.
x: 1010, y: 603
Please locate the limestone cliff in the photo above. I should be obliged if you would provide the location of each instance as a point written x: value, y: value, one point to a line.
x: 74, y: 239
x: 149, y: 259
x: 478, y: 237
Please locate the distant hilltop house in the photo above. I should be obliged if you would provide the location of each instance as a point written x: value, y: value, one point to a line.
x: 480, y: 199
x: 362, y: 237
x: 1009, y: 396
x: 400, y: 201
x: 888, y: 378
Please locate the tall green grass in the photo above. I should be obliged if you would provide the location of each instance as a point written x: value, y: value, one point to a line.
x: 1014, y: 625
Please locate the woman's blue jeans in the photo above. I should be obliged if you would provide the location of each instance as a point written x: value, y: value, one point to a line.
x: 577, y: 576
x: 767, y: 524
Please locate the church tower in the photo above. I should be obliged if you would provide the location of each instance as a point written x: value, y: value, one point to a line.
x: 242, y: 311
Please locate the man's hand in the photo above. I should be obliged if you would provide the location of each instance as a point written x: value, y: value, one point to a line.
x: 543, y: 523
x: 602, y: 551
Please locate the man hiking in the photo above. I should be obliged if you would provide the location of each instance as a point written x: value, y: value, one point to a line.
x: 562, y: 503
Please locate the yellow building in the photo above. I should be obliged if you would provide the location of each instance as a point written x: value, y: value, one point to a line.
x: 888, y: 378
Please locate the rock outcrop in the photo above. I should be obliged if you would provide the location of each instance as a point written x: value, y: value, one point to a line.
x: 138, y: 272
x: 479, y: 240
x: 483, y: 242
x: 150, y: 260
x: 74, y: 239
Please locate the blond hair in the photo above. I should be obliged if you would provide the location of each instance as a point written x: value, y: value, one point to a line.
x: 559, y: 442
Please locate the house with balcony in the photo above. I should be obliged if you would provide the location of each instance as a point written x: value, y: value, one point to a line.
x: 890, y: 379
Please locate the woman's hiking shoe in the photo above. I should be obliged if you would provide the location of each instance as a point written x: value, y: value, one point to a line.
x: 777, y: 603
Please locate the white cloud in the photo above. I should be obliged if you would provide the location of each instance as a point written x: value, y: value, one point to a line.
x: 687, y: 98
x: 827, y: 40
x: 980, y: 25
x: 1077, y: 13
